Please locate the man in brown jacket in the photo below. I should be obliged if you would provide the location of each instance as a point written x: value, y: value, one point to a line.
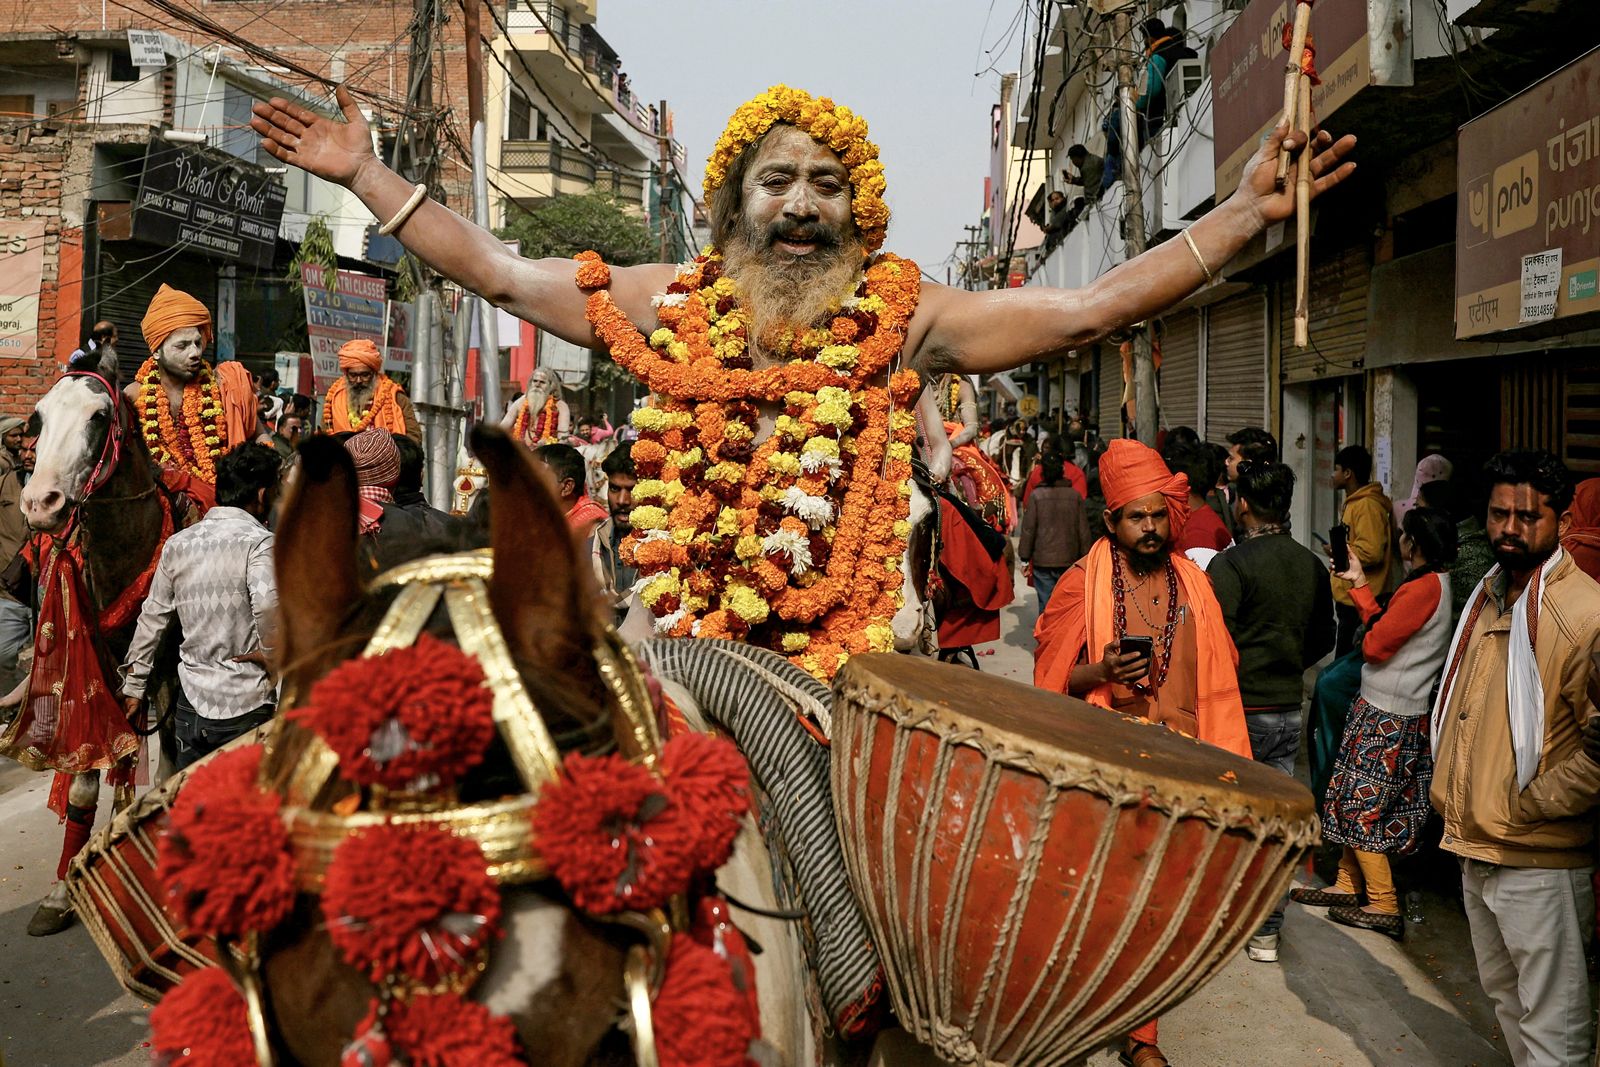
x: 1370, y: 517
x: 1511, y: 777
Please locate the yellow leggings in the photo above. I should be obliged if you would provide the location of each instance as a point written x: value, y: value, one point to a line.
x: 1368, y: 871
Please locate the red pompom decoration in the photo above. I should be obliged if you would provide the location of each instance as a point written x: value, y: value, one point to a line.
x: 202, y: 1021
x: 612, y: 836
x: 414, y: 901
x: 700, y: 1017
x: 414, y: 719
x: 710, y: 782
x: 225, y: 857
x: 446, y: 1030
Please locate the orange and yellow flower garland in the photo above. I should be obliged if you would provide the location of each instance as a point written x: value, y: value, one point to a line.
x: 544, y: 431
x: 796, y: 544
x: 383, y: 396
x: 204, y: 433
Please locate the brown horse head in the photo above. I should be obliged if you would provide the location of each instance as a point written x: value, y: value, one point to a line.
x: 556, y: 974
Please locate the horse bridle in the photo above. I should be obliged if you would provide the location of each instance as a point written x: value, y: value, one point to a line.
x: 112, y: 446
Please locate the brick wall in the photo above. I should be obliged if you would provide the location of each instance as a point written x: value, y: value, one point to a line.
x: 33, y: 160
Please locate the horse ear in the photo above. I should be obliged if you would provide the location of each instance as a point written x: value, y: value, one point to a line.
x: 315, y: 550
x: 542, y: 591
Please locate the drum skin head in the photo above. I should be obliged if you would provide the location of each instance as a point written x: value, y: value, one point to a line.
x: 1070, y: 735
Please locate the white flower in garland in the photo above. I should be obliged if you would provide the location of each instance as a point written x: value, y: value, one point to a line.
x: 669, y: 300
x: 817, y: 511
x: 798, y: 548
x: 665, y: 623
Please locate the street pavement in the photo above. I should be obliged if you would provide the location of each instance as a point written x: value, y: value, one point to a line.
x: 1337, y: 998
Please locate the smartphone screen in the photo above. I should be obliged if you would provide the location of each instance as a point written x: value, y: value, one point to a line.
x: 1339, y: 547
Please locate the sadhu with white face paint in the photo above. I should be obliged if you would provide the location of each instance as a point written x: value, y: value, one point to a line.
x: 190, y: 412
x: 774, y: 467
x: 539, y: 416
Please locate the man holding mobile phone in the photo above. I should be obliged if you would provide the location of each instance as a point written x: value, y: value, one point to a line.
x: 1136, y: 628
x: 1368, y: 519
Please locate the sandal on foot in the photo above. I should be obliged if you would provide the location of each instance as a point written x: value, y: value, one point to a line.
x: 1392, y: 925
x: 1139, y: 1054
x: 48, y: 920
x: 1325, y: 898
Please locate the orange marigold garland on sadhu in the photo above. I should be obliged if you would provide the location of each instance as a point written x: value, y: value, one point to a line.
x: 203, y: 437
x: 796, y: 544
x: 383, y: 397
x: 544, y: 431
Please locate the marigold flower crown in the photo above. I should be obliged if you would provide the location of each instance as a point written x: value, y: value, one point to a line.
x: 831, y: 125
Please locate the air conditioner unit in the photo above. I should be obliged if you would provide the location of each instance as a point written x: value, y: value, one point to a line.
x: 1183, y: 81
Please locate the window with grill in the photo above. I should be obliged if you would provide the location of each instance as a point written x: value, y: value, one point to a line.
x: 519, y: 124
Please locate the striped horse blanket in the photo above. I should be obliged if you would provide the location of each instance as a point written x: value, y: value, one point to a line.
x: 759, y: 698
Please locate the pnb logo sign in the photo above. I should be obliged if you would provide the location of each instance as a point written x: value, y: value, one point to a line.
x: 1506, y: 201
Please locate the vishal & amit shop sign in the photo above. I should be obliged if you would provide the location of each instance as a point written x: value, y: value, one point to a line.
x: 1528, y: 206
x: 215, y: 203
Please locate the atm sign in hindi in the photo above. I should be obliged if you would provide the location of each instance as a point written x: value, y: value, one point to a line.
x: 217, y: 204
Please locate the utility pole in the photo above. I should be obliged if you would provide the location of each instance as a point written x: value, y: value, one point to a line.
x: 488, y: 332
x: 664, y: 143
x: 1144, y: 366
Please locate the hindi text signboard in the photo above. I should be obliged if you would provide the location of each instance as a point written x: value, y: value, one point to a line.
x: 1528, y: 205
x: 1247, y: 67
x: 217, y: 204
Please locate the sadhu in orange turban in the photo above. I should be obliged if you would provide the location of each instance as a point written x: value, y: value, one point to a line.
x: 360, y: 354
x: 170, y: 311
x: 1081, y: 618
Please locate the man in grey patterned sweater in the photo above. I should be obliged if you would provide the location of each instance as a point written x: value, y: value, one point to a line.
x: 216, y: 580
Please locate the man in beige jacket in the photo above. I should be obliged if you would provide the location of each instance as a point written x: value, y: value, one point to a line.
x: 1512, y: 778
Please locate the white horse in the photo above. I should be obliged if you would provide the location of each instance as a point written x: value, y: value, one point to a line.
x: 93, y: 482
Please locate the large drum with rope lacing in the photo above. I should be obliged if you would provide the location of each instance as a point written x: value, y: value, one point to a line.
x: 1041, y: 875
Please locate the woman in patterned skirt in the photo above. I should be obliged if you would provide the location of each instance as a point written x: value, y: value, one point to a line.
x: 1377, y: 798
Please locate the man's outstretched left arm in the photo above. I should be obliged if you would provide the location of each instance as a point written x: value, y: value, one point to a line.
x: 980, y: 332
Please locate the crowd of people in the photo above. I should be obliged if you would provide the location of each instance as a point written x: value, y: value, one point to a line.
x: 1444, y: 715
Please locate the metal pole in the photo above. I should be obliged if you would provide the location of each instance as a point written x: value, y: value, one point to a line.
x: 488, y: 331
x: 665, y: 164
x: 1144, y: 367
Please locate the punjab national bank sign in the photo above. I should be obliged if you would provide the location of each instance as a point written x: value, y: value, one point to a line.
x: 1528, y: 206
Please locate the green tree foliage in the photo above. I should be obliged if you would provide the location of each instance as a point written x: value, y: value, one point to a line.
x: 566, y: 225
x: 316, y: 248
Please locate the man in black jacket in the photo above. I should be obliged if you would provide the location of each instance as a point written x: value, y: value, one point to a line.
x: 1278, y: 607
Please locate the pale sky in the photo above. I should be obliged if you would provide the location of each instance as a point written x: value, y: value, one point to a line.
x: 905, y: 66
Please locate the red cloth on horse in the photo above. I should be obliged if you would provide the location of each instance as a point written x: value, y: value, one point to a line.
x: 987, y: 581
x: 1069, y: 470
x: 71, y: 721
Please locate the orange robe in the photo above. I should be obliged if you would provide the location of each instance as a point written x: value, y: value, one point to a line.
x: 386, y: 411
x: 1079, y: 623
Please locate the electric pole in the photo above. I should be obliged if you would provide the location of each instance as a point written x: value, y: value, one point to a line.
x: 488, y: 332
x: 664, y: 144
x: 1144, y: 367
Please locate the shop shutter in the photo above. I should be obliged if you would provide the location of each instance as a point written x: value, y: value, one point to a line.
x: 1108, y: 384
x: 128, y: 276
x: 1236, y: 365
x: 1180, y: 370
x: 1581, y: 440
x: 1532, y: 404
x: 1339, y: 286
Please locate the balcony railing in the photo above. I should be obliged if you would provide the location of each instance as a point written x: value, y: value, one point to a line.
x: 625, y: 187
x: 550, y: 157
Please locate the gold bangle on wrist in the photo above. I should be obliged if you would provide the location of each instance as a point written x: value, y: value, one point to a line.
x: 418, y: 195
x: 1198, y: 258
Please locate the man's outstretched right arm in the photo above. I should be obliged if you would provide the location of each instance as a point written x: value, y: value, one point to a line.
x: 541, y: 291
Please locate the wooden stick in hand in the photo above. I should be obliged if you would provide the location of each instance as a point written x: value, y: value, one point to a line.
x: 1291, y: 80
x: 1302, y: 221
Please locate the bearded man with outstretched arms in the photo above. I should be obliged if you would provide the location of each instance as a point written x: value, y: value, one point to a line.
x: 774, y: 461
